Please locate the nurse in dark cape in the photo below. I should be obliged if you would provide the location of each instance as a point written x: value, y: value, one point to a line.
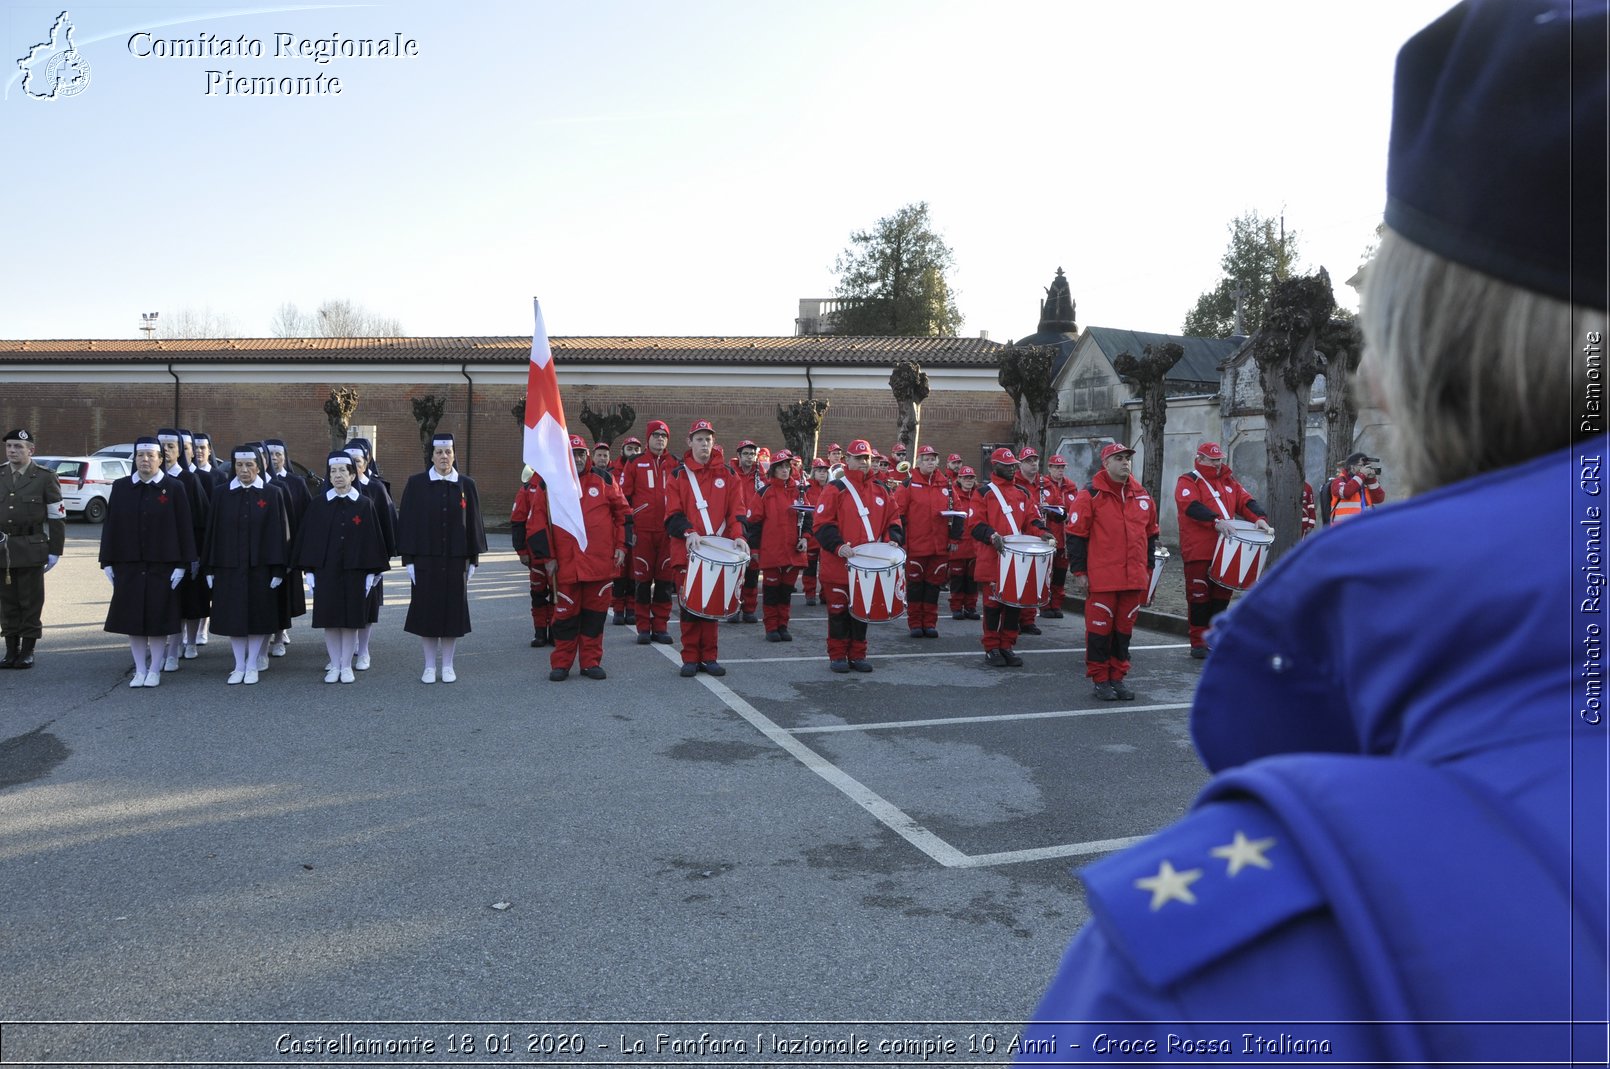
x: 292, y: 601
x: 341, y: 550
x: 378, y: 491
x: 441, y: 539
x: 247, y: 552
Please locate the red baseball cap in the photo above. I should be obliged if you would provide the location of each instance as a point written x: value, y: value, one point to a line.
x: 700, y: 425
x: 954, y: 458
x: 658, y: 426
x: 818, y: 462
x: 1113, y: 449
x: 746, y: 444
x: 859, y: 448
x: 834, y: 446
x: 578, y: 442
x: 1210, y: 451
x: 631, y: 441
x: 601, y: 445
x: 964, y: 472
x: 782, y: 456
x: 1002, y: 455
x: 1057, y: 461
x: 899, y: 447
x: 927, y: 451
x: 1028, y: 453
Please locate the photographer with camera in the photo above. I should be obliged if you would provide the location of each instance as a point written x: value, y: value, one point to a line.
x: 1357, y: 489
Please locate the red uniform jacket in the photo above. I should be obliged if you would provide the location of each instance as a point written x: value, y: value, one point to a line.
x: 839, y: 522
x: 774, y: 524
x: 528, y: 499
x: 603, y: 511
x: 920, y: 503
x: 746, y: 481
x: 723, y: 510
x: 813, y: 497
x: 1062, y: 494
x: 1198, y: 511
x: 966, y: 501
x: 644, y: 486
x: 1005, y: 507
x: 1112, y: 534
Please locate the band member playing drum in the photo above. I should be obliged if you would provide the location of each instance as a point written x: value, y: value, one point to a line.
x: 1112, y: 544
x: 705, y: 499
x: 855, y: 510
x: 1004, y: 508
x: 1033, y: 484
x: 582, y: 580
x: 1206, y: 498
x: 777, y: 524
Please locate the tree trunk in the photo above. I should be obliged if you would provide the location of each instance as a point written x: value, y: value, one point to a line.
x: 909, y: 384
x: 428, y: 414
x: 1344, y: 347
x: 1284, y: 349
x: 338, y: 410
x: 1148, y: 375
x: 1025, y: 375
x: 801, y: 423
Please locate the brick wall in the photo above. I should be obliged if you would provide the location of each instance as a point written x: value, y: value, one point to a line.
x: 82, y: 418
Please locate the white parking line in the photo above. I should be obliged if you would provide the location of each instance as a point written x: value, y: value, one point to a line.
x: 1017, y: 857
x: 946, y: 721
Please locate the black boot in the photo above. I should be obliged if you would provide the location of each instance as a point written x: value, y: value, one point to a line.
x: 12, y: 643
x: 25, y: 657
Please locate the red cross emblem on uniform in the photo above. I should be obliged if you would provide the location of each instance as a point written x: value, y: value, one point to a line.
x: 162, y: 499
x: 357, y: 520
x: 262, y: 504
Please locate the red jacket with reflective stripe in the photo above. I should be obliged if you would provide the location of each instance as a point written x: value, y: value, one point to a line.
x: 1117, y: 524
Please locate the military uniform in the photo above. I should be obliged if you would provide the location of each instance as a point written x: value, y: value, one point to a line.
x: 33, y: 520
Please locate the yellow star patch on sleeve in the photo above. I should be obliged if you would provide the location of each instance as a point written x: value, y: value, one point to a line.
x: 1170, y: 886
x: 1241, y: 852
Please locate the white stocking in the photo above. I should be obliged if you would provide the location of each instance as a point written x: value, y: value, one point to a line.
x: 349, y: 646
x: 137, y: 648
x: 237, y: 646
x: 447, y: 651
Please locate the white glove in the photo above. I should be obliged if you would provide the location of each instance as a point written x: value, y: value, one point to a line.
x: 173, y: 580
x: 308, y: 578
x: 410, y: 573
x: 209, y: 582
x: 110, y: 575
x: 50, y: 561
x: 469, y: 573
x: 369, y: 582
x: 273, y: 584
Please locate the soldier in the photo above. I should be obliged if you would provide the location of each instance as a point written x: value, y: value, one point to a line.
x: 855, y: 510
x: 34, y: 529
x: 703, y: 501
x: 644, y: 485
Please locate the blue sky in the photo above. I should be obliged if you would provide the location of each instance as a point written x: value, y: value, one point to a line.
x: 685, y: 167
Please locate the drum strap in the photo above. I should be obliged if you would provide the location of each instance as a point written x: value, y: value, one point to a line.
x: 862, y: 509
x: 699, y: 502
x: 1217, y: 500
x: 1005, y: 508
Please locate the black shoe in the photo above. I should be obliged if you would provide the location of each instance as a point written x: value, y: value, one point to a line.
x: 1199, y: 653
x: 959, y: 614
x: 621, y: 620
x: 25, y: 656
x: 644, y: 638
x: 974, y: 614
x: 774, y: 636
x: 995, y: 658
x: 631, y: 616
x: 916, y: 632
x: 1030, y: 629
x: 784, y: 634
x: 841, y: 667
x: 558, y: 675
x: 13, y: 644
x: 751, y: 618
x: 1106, y: 693
x: 690, y: 669
x: 1052, y: 614
x: 735, y: 618
x: 595, y: 672
x: 930, y: 632
x: 1122, y: 691
x: 810, y: 601
x: 662, y: 637
x: 712, y: 668
x: 860, y: 666
x: 1012, y: 659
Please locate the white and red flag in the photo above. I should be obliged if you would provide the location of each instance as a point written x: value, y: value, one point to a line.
x: 547, y: 441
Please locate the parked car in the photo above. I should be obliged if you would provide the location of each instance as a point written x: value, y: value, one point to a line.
x: 126, y: 451
x: 86, y: 482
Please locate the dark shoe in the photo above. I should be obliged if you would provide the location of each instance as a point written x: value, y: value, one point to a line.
x: 1106, y: 693
x: 621, y: 620
x: 974, y: 614
x: 1012, y: 659
x: 690, y: 669
x: 810, y: 601
x: 860, y: 666
x: 1031, y: 629
x: 959, y: 614
x: 543, y: 637
x: 13, y: 643
x: 995, y: 658
x: 774, y: 636
x: 644, y: 638
x: 735, y: 618
x: 916, y: 632
x: 712, y: 668
x: 1122, y: 691
x: 1052, y: 614
x: 1199, y: 653
x: 631, y: 616
x: 595, y: 672
x: 783, y: 633
x: 841, y: 667
x: 662, y: 637
x: 751, y: 618
x: 930, y: 632
x: 25, y: 656
x: 558, y: 675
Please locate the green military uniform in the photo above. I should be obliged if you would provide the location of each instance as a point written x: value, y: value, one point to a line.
x: 33, y: 521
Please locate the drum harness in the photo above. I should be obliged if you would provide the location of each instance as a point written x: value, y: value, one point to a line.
x: 1007, y: 509
x: 698, y: 501
x: 1217, y: 500
x: 862, y: 509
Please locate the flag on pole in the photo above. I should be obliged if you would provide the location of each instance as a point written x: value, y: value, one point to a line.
x: 547, y: 441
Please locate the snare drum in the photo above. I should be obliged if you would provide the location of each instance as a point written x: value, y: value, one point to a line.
x: 715, y: 578
x: 877, y: 582
x: 1025, y: 571
x: 1239, y: 556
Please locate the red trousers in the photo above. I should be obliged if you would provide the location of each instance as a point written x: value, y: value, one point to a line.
x: 779, y: 593
x: 924, y: 577
x: 846, y: 636
x: 1001, y: 622
x: 1204, y: 600
x: 699, y: 636
x: 1109, y: 623
x: 579, y: 612
x: 541, y: 599
x: 963, y: 587
x: 655, y: 579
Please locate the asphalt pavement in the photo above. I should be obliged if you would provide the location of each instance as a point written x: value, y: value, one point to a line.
x: 502, y: 857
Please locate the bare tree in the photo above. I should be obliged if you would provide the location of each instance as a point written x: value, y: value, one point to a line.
x: 609, y: 424
x: 194, y: 323
x: 1025, y: 375
x: 1147, y: 376
x: 909, y: 382
x: 1299, y: 309
x: 333, y: 319
x: 338, y: 409
x: 801, y: 424
x: 428, y: 414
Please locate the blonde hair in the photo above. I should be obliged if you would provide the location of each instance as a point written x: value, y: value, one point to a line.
x: 1475, y: 373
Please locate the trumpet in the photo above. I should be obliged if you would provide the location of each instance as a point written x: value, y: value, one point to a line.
x: 903, y: 467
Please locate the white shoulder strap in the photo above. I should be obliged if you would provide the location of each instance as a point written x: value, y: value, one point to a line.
x: 699, y: 502
x: 1007, y: 509
x: 862, y: 509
